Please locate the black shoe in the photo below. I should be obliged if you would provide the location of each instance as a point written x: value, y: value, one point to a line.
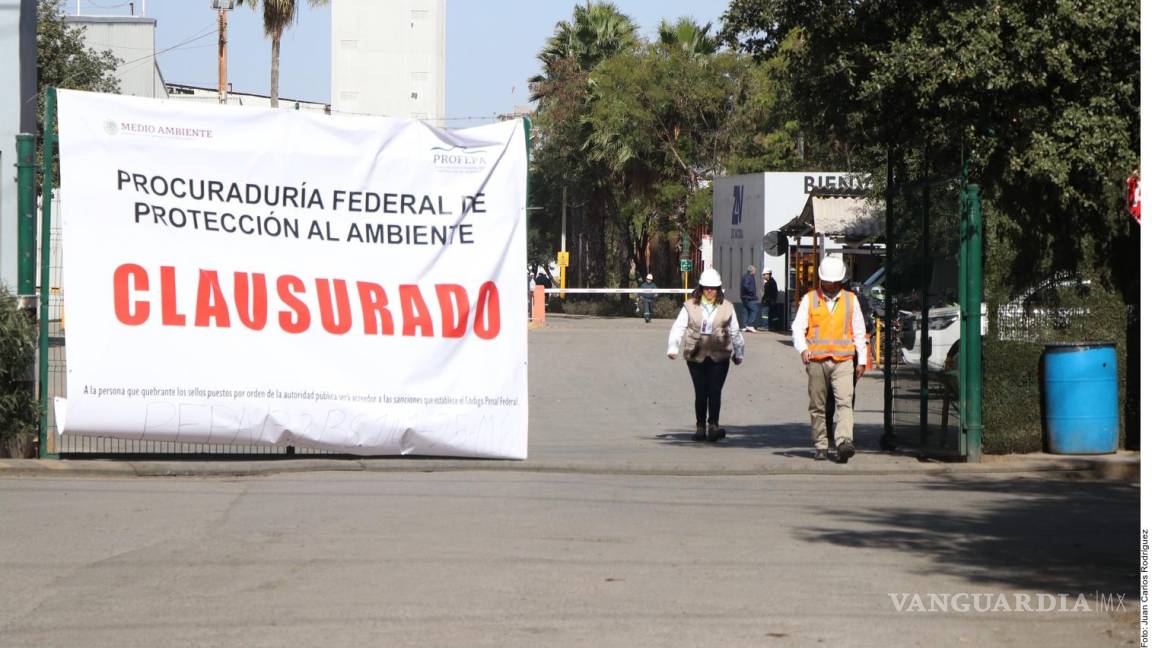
x: 715, y: 433
x: 821, y: 455
x: 699, y: 436
x: 844, y: 452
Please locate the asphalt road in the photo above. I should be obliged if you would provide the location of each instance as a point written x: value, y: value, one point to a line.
x: 596, y: 540
x: 529, y: 559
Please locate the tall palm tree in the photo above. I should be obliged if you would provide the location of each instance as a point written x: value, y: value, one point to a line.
x: 685, y: 34
x: 278, y: 16
x: 597, y: 31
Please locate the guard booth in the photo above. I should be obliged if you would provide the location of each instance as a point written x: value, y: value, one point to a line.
x: 748, y: 212
x: 839, y: 222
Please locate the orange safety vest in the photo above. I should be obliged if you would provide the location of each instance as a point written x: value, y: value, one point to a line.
x: 830, y: 334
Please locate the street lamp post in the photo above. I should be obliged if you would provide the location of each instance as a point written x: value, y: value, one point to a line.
x: 222, y: 8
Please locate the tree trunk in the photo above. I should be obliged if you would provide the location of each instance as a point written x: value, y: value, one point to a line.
x: 274, y: 89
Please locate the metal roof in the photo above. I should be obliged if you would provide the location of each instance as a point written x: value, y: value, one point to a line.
x: 845, y: 216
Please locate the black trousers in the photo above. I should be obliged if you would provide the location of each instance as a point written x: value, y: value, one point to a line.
x: 708, y: 380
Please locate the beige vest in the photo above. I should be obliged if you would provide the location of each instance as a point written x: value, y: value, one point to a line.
x: 718, y: 345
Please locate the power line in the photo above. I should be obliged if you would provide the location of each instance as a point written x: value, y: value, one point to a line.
x: 191, y: 39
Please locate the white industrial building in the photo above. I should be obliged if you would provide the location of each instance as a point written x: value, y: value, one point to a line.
x: 205, y: 95
x: 132, y: 39
x: 388, y: 58
x: 818, y: 212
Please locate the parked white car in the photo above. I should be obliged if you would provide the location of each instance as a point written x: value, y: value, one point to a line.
x: 1043, y: 309
x: 943, y: 336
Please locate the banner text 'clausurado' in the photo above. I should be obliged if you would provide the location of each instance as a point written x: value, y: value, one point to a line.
x: 135, y: 293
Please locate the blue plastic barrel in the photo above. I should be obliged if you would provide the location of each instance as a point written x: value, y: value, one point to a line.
x: 1080, y: 398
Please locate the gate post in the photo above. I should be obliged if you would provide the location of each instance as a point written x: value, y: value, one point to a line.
x: 973, y: 401
x: 888, y: 439
x: 49, y: 154
x: 26, y: 217
x: 538, y: 302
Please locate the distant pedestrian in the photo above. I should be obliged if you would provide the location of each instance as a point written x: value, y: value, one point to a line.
x: 748, y: 299
x: 828, y: 332
x: 710, y: 333
x: 646, y: 298
x: 768, y: 298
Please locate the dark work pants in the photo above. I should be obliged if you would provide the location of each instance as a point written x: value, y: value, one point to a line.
x: 708, y: 380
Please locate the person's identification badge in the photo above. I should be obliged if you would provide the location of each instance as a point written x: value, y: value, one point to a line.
x: 706, y: 326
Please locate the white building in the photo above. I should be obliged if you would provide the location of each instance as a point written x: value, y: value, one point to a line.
x: 201, y: 94
x: 132, y: 39
x: 748, y: 208
x: 388, y: 58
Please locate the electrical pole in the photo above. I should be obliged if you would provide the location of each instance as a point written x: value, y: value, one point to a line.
x: 222, y: 7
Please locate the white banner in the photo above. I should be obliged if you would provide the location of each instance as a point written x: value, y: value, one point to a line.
x: 239, y: 275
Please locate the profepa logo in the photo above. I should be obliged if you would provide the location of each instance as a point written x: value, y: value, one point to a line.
x: 113, y: 127
x: 459, y: 158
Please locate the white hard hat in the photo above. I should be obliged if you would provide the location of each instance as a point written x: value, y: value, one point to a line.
x: 648, y: 276
x: 710, y: 278
x: 832, y: 269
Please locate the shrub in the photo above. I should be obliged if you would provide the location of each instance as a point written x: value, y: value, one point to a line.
x: 19, y: 416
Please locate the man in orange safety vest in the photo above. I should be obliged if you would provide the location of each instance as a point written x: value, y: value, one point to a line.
x: 828, y: 332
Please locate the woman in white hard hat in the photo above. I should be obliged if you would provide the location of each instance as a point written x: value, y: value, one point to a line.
x: 711, y: 336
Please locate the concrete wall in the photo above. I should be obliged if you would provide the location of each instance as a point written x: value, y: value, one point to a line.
x: 737, y: 228
x: 388, y: 58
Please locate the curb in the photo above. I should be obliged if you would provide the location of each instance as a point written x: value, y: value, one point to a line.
x: 1117, y: 469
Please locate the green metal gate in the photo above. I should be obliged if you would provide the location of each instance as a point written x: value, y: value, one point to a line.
x: 932, y: 309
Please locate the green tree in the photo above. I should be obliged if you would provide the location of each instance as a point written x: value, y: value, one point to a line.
x: 685, y: 34
x: 659, y: 126
x: 19, y: 416
x: 278, y: 16
x: 1044, y: 97
x: 596, y: 32
x: 636, y: 131
x: 63, y: 60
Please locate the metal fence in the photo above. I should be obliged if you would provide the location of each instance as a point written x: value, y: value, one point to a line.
x: 924, y: 311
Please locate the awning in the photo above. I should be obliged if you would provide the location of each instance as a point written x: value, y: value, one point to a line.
x: 847, y: 217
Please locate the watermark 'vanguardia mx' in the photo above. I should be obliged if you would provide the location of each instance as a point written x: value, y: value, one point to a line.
x: 984, y: 602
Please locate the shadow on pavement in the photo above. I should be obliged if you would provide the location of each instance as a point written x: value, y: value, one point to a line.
x: 1030, y: 534
x: 794, y: 439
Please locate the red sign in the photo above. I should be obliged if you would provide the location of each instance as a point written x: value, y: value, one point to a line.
x: 1133, y: 196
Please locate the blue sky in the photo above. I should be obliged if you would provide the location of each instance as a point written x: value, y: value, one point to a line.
x: 491, y: 51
